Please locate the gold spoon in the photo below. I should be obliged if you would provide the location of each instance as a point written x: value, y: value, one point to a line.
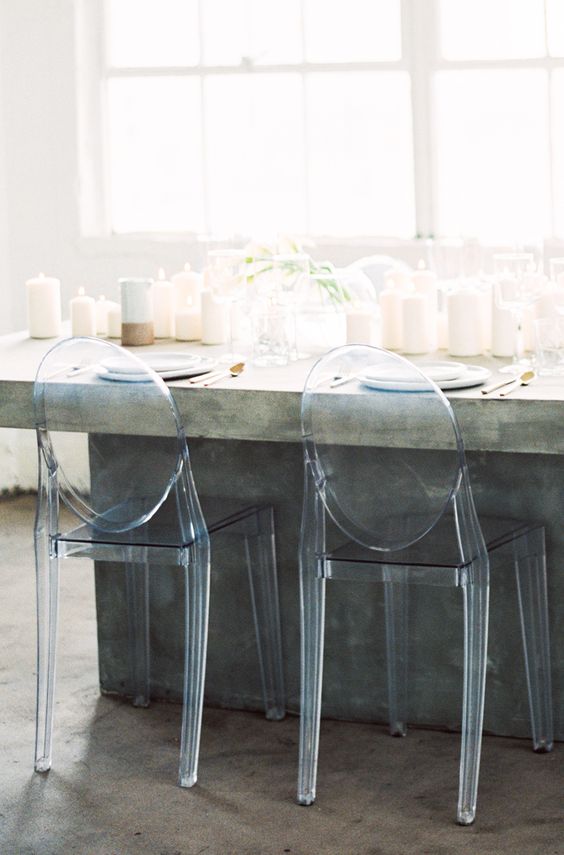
x: 521, y: 379
x: 524, y: 380
x: 234, y: 371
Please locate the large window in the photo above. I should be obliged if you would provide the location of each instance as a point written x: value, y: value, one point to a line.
x: 333, y: 117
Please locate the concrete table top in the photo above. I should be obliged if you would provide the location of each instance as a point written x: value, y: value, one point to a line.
x: 264, y: 403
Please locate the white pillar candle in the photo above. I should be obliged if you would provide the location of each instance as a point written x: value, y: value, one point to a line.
x: 188, y: 324
x: 163, y: 306
x: 188, y: 287
x: 442, y: 331
x: 416, y: 310
x: 425, y: 282
x: 215, y: 319
x: 391, y: 319
x: 83, y: 314
x: 486, y: 292
x: 360, y: 326
x: 102, y: 309
x: 465, y: 322
x: 43, y: 306
x: 114, y: 319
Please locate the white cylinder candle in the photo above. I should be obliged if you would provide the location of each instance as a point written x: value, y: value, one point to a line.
x: 425, y: 282
x: 114, y: 319
x: 83, y: 314
x: 215, y: 319
x: 416, y: 326
x: 163, y: 306
x: 391, y: 319
x: 396, y: 278
x: 102, y: 309
x: 188, y: 287
x: 465, y: 322
x: 360, y: 326
x: 188, y: 324
x: 43, y: 306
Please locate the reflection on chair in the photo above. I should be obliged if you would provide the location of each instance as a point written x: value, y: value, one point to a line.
x: 118, y: 488
x: 409, y: 516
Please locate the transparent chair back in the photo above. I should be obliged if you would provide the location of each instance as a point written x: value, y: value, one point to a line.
x: 370, y: 422
x: 111, y: 489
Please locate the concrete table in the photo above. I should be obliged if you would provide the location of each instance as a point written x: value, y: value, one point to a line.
x: 244, y: 438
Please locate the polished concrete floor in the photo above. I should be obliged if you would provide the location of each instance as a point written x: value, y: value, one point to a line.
x: 112, y: 787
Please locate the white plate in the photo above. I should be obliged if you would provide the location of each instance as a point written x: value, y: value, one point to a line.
x: 473, y: 375
x: 203, y: 365
x: 158, y: 361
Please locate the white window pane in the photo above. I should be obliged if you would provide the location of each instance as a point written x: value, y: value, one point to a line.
x: 254, y: 151
x: 360, y: 153
x: 151, y: 33
x: 155, y: 154
x: 352, y: 30
x: 558, y: 149
x: 263, y: 31
x: 492, y: 29
x: 555, y: 27
x: 492, y: 154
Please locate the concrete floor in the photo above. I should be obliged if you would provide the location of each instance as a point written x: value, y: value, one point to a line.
x: 112, y: 787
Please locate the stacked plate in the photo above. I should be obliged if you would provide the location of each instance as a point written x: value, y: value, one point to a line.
x: 447, y: 375
x: 169, y: 365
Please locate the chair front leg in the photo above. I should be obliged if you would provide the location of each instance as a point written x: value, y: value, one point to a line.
x: 530, y: 571
x: 137, y: 593
x: 197, y: 586
x: 312, y: 624
x: 396, y: 600
x: 261, y: 564
x: 47, y: 591
x: 476, y: 606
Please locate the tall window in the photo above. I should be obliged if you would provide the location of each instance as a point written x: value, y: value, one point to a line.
x: 335, y: 117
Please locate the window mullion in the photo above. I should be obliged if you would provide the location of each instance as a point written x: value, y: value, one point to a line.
x: 420, y: 47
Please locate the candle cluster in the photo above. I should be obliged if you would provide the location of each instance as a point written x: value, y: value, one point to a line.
x: 419, y: 314
x: 177, y: 308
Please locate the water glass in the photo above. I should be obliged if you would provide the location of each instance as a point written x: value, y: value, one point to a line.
x: 549, y: 339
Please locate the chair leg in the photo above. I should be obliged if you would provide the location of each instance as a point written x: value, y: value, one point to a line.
x: 137, y: 592
x: 476, y: 603
x: 261, y: 563
x: 312, y: 595
x: 197, y: 586
x: 396, y: 600
x: 47, y: 569
x: 530, y: 570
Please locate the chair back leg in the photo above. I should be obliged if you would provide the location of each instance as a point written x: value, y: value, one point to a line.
x: 137, y: 594
x: 396, y: 601
x: 261, y: 564
x: 530, y: 571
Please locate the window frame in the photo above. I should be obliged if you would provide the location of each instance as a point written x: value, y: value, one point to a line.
x: 420, y: 58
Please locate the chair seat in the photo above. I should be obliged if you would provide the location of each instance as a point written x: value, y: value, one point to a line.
x: 159, y: 532
x: 437, y: 549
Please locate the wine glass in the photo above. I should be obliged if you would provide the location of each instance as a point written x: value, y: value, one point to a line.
x: 227, y: 277
x: 517, y: 285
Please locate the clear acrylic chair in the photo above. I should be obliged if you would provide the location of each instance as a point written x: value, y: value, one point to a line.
x: 119, y: 490
x: 372, y: 424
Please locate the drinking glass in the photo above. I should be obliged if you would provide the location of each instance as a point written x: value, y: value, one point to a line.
x: 517, y: 285
x: 228, y: 281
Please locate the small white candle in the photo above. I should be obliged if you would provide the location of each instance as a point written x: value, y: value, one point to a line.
x: 114, y: 319
x: 215, y: 319
x: 360, y: 326
x: 396, y: 278
x: 43, y: 306
x: 83, y: 314
x: 102, y: 309
x: 391, y: 318
x: 416, y: 325
x: 425, y: 282
x: 163, y: 306
x: 187, y: 288
x: 465, y: 322
x: 188, y: 324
